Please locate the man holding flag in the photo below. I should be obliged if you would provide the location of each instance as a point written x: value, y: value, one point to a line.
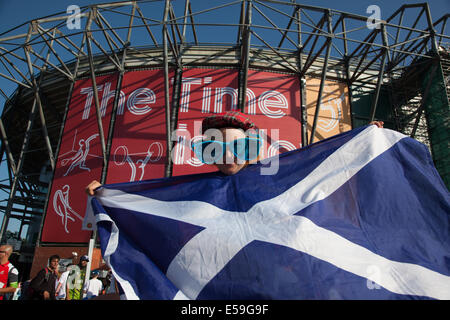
x: 362, y: 215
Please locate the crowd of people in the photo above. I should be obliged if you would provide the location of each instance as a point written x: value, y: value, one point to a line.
x: 54, y: 282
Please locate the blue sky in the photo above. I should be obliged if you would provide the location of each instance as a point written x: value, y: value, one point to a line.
x: 13, y: 13
x: 16, y: 12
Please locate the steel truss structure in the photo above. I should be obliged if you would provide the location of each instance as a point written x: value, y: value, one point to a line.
x: 44, y: 57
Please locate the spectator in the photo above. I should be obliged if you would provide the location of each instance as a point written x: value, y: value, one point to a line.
x: 44, y: 284
x: 62, y: 284
x: 94, y: 286
x: 105, y: 283
x: 9, y: 276
x: 24, y: 290
x: 76, y: 280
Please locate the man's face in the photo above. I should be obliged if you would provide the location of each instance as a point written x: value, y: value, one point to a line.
x: 4, y: 253
x: 84, y: 263
x: 54, y: 264
x: 230, y: 164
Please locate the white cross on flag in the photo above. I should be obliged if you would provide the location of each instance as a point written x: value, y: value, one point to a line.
x: 363, y: 215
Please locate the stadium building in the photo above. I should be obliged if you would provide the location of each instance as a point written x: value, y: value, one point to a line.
x: 116, y: 92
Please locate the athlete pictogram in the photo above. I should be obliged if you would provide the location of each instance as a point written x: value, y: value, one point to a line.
x: 79, y: 158
x: 62, y: 207
x: 155, y: 148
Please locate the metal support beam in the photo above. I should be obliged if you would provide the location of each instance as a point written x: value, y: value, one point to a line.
x: 117, y: 92
x: 56, y: 30
x: 109, y: 40
x: 363, y: 58
x: 46, y: 61
x: 323, y: 77
x: 288, y: 26
x: 61, y: 131
x: 193, y: 24
x: 316, y: 32
x: 241, y: 23
x: 310, y: 61
x: 5, y: 144
x: 96, y: 100
x: 373, y: 108
x: 117, y: 96
x: 18, y: 170
x: 245, y: 57
x: 14, y: 80
x: 109, y: 26
x: 411, y: 30
x: 424, y: 99
x: 40, y: 110
x: 168, y: 171
x: 26, y: 141
x: 147, y: 27
x: 386, y: 44
x: 106, y: 54
x: 15, y: 68
x: 174, y: 25
x: 303, y: 111
x: 112, y: 122
x: 444, y: 24
x: 275, y: 27
x: 186, y: 10
x: 434, y: 46
x: 50, y: 46
x: 178, y: 78
x: 399, y: 29
x: 347, y: 71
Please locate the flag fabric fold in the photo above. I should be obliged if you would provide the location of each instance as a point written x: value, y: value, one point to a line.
x: 362, y: 215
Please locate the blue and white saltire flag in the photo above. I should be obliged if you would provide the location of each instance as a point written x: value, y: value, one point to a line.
x: 362, y: 215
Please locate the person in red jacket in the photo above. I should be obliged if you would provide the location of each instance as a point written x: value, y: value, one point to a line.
x: 9, y: 276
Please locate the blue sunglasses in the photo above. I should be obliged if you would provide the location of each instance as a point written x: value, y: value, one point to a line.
x: 209, y: 151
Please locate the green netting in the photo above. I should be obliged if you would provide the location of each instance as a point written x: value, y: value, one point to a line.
x: 437, y: 112
x: 361, y: 108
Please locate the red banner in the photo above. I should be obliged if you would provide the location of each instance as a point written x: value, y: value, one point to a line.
x: 138, y: 149
x: 272, y: 101
x: 79, y: 161
x: 203, y: 93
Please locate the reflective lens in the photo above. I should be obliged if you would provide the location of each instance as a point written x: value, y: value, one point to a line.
x: 246, y: 148
x: 210, y: 151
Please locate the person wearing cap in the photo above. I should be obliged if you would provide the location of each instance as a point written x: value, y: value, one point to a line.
x: 93, y: 287
x: 76, y: 280
x: 231, y: 142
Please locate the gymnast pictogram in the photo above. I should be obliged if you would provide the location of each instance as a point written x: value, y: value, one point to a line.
x: 79, y: 158
x: 62, y: 207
